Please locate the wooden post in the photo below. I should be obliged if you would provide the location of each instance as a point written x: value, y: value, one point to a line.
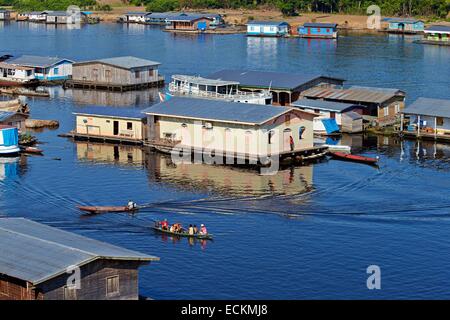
x: 402, y: 118
x: 435, y: 128
x: 418, y: 125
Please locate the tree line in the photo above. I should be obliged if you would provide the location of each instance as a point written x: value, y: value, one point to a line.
x: 39, y: 5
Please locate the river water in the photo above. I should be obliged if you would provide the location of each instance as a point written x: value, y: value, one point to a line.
x: 306, y: 232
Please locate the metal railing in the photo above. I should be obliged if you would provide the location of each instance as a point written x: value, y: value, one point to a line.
x: 185, y: 90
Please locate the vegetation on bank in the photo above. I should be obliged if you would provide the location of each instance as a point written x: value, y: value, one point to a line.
x: 437, y: 8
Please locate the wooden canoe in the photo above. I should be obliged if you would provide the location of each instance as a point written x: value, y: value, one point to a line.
x: 106, y: 209
x: 355, y: 158
x: 184, y: 234
x: 32, y: 150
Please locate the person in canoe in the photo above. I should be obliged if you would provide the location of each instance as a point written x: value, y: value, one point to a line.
x: 191, y: 230
x: 203, y: 229
x: 164, y: 224
x: 131, y: 205
x: 195, y: 229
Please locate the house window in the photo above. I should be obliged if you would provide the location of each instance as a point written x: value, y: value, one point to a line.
x: 70, y: 293
x: 4, y: 287
x: 137, y: 74
x: 56, y: 71
x: 150, y: 73
x: 439, y: 121
x: 328, y: 30
x: 301, y: 131
x: 270, y: 136
x: 129, y: 125
x: 333, y: 115
x: 112, y: 286
x: 386, y: 111
x: 397, y: 108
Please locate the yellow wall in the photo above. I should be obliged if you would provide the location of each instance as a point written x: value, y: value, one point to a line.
x: 103, y: 127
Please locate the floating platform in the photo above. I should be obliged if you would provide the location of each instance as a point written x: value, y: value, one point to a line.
x: 426, y: 136
x: 436, y: 43
x: 113, y: 87
x: 104, y: 139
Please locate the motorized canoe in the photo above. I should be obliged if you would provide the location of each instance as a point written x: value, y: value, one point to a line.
x: 118, y: 209
x: 184, y: 234
x: 32, y: 150
x: 353, y: 157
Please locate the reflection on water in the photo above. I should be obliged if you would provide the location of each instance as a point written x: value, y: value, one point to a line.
x: 108, y: 153
x: 10, y: 167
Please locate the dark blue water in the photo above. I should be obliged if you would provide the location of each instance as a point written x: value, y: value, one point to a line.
x: 307, y: 232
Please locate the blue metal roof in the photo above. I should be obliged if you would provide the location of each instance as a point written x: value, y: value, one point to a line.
x: 429, y: 107
x: 214, y: 110
x: 330, y: 125
x: 268, y: 23
x: 127, y: 62
x: 35, y: 252
x: 323, y: 105
x: 5, y: 115
x: 320, y: 25
x: 116, y: 112
x: 262, y: 79
x: 37, y: 61
x: 438, y: 28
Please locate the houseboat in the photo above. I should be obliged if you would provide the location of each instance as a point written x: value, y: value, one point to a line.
x: 404, y: 25
x: 189, y: 23
x: 5, y: 15
x: 267, y: 28
x: 229, y: 129
x: 285, y: 87
x: 135, y: 17
x: 318, y: 30
x: 38, y: 16
x: 14, y: 75
x: 436, y: 34
x: 198, y: 87
x: 9, y: 140
x: 382, y: 106
x: 118, y: 73
x: 64, y: 17
x: 348, y: 116
x: 45, y: 68
x: 427, y: 118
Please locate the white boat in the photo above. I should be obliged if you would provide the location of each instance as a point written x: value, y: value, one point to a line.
x: 9, y: 140
x: 198, y: 87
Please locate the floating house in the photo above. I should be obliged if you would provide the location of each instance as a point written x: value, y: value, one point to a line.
x: 119, y: 73
x: 5, y: 15
x: 198, y: 87
x: 14, y: 75
x: 64, y: 17
x: 184, y: 22
x: 428, y: 119
x: 159, y: 18
x: 348, y: 116
x: 39, y: 262
x: 136, y: 17
x: 404, y: 25
x: 13, y: 119
x: 285, y: 87
x: 382, y: 105
x: 38, y: 16
x: 437, y: 34
x: 125, y: 125
x: 267, y: 28
x: 318, y: 30
x: 9, y: 141
x: 45, y: 68
x: 228, y: 128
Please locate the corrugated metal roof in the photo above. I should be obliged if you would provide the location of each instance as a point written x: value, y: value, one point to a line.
x: 402, y: 20
x: 354, y: 94
x: 323, y: 105
x: 429, y: 107
x: 188, y: 18
x: 202, y: 81
x: 137, y: 13
x: 58, y: 13
x: 320, y: 25
x: 36, y: 61
x: 262, y: 79
x: 214, y: 110
x: 36, y: 253
x: 127, y: 62
x: 438, y: 28
x: 268, y: 23
x: 131, y: 113
x: 5, y: 115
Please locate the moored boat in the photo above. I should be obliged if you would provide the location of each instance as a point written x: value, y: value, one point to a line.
x: 9, y: 140
x: 355, y: 158
x: 32, y: 150
x: 184, y: 234
x: 106, y: 209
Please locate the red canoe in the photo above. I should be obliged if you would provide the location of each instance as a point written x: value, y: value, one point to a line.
x: 105, y: 209
x: 352, y: 157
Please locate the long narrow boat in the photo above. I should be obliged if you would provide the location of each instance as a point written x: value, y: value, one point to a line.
x: 355, y: 158
x: 105, y: 209
x: 184, y: 234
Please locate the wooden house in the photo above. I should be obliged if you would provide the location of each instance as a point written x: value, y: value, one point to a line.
x: 45, y: 68
x: 318, y: 30
x: 121, y: 73
x: 39, y: 262
x: 64, y: 17
x: 427, y: 118
x: 437, y: 34
x: 347, y: 116
x: 5, y: 15
x: 126, y: 125
x: 404, y: 25
x: 267, y: 28
x: 246, y: 131
x: 185, y: 22
x: 285, y: 87
x: 15, y: 75
x: 13, y: 119
x: 382, y: 105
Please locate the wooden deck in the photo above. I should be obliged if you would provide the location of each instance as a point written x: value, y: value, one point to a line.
x: 104, y: 139
x: 426, y: 136
x: 91, y: 85
x: 433, y: 42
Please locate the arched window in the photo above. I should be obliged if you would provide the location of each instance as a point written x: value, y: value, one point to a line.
x: 301, y: 130
x: 270, y: 136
